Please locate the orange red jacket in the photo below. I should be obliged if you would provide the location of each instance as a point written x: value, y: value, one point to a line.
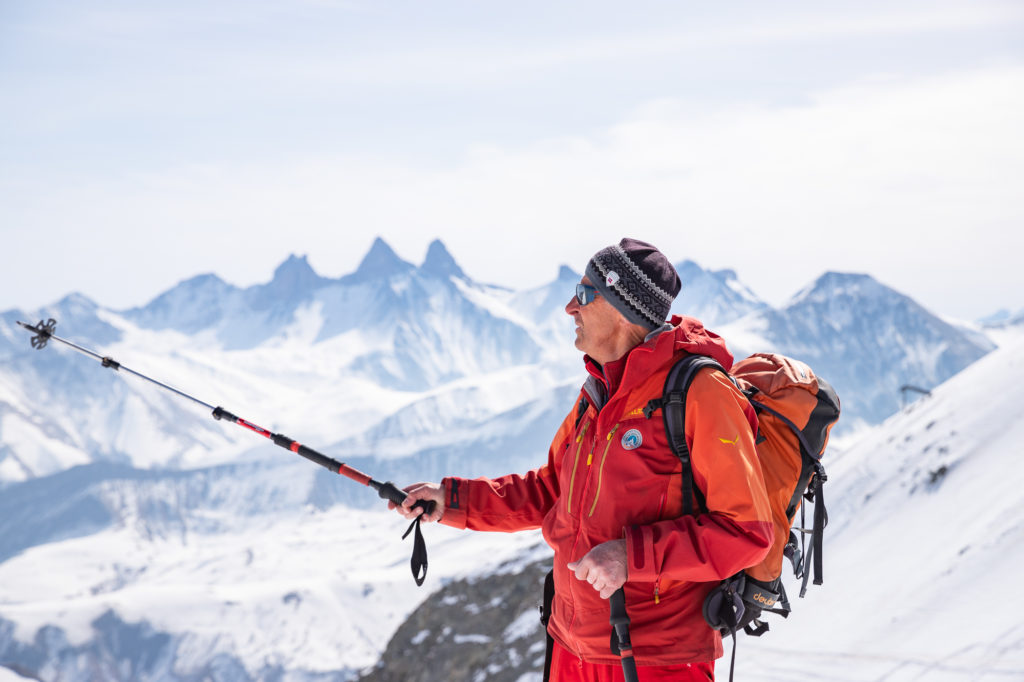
x: 611, y: 474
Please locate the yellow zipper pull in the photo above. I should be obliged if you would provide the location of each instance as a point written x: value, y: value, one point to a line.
x: 612, y: 432
x: 590, y: 458
x: 656, y: 598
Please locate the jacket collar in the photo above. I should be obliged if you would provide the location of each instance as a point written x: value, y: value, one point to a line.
x: 661, y: 347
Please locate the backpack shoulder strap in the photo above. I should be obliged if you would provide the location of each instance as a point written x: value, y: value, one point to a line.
x: 673, y: 410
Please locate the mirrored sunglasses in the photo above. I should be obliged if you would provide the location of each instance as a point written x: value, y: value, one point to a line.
x: 585, y: 294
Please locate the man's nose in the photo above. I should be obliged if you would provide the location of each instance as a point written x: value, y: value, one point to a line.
x: 572, y: 307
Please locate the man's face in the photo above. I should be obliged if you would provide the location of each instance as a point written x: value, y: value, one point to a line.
x: 597, y: 325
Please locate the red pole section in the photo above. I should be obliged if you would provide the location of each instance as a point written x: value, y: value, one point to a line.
x: 295, y: 446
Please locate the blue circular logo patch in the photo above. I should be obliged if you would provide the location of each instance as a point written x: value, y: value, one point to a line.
x: 632, y: 439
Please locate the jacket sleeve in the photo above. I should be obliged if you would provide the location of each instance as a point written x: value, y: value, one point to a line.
x: 510, y: 503
x: 736, y: 530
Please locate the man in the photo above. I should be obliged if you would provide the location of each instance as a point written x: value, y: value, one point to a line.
x: 609, y: 499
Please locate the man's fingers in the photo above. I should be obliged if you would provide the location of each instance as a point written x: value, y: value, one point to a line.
x: 408, y: 508
x: 604, y: 578
x: 417, y: 498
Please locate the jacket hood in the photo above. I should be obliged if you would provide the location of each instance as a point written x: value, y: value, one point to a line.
x: 690, y: 335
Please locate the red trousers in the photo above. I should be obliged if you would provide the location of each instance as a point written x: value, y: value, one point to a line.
x: 566, y: 667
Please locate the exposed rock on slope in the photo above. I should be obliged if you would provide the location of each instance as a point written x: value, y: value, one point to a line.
x: 478, y: 628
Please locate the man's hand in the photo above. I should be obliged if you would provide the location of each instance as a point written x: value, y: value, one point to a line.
x: 433, y: 492
x: 605, y: 567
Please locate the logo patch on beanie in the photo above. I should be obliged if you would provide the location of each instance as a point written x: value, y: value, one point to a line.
x: 612, y: 278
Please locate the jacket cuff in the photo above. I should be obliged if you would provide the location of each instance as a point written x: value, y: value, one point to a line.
x: 455, y: 502
x: 640, y: 553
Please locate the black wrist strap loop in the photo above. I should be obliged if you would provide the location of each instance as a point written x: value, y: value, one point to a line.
x: 419, y: 552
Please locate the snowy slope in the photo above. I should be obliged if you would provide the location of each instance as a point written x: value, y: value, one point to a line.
x: 314, y: 593
x: 924, y: 545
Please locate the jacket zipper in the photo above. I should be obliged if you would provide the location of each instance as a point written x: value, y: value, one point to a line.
x: 600, y: 469
x: 572, y: 479
x: 657, y: 581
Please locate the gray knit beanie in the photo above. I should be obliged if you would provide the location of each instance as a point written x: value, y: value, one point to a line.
x: 637, y: 279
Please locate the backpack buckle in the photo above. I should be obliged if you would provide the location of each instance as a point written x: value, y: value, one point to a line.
x: 651, y: 407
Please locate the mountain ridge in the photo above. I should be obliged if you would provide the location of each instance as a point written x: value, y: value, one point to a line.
x: 414, y: 329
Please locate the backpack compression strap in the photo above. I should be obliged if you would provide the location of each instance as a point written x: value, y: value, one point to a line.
x: 812, y: 479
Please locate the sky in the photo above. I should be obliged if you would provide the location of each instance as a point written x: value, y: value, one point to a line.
x: 142, y: 144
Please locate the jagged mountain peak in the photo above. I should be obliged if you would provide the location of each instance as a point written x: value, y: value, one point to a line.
x: 690, y: 270
x: 295, y: 276
x: 294, y: 280
x: 439, y: 262
x: 566, y: 273
x: 292, y: 266
x: 381, y: 261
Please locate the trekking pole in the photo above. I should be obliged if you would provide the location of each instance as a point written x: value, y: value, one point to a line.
x: 620, y: 626
x: 387, y: 490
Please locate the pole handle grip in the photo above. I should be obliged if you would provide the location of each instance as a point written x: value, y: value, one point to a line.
x: 389, y: 491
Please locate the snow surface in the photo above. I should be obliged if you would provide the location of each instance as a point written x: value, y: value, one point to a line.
x: 267, y: 590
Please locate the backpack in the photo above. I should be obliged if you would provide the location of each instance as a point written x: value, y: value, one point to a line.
x: 796, y: 410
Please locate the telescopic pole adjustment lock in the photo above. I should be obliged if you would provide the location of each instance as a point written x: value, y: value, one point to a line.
x: 220, y: 413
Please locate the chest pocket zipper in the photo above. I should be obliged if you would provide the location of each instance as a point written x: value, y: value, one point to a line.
x: 600, y: 469
x: 572, y: 479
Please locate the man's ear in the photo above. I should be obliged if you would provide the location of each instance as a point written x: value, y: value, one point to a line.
x: 636, y: 332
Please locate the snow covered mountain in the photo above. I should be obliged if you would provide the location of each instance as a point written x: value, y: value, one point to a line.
x: 412, y: 327
x: 141, y: 503
x: 866, y: 339
x: 716, y: 298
